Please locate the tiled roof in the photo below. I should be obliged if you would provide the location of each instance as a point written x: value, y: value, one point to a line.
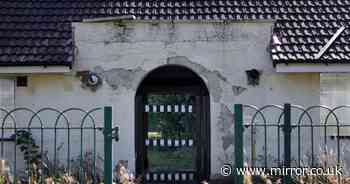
x: 38, y: 32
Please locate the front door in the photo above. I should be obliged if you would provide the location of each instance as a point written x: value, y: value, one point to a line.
x: 172, y: 134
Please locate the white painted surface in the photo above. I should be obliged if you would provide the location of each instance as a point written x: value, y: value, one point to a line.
x: 312, y: 68
x: 33, y: 69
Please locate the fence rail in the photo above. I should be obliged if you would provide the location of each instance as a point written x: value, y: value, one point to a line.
x: 38, y: 136
x: 316, y: 136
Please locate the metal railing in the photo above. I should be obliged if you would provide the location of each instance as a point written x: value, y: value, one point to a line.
x: 39, y: 136
x: 291, y: 137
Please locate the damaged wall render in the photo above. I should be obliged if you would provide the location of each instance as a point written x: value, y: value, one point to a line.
x: 220, y: 53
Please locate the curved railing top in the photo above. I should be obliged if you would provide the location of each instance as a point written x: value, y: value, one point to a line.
x: 33, y: 116
x: 260, y: 111
x: 305, y: 112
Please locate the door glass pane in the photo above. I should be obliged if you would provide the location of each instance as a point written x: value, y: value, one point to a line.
x: 170, y: 137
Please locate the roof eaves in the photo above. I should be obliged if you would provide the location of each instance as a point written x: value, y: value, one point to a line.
x: 109, y: 19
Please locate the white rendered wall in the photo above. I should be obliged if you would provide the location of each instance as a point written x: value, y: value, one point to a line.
x: 219, y: 52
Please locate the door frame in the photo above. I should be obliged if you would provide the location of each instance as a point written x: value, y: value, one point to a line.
x: 202, y: 106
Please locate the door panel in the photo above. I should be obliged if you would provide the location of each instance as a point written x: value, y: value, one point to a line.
x: 170, y: 142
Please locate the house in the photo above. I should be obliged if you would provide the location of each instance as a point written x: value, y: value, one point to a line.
x: 131, y: 54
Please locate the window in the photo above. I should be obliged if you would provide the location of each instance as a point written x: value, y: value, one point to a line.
x: 7, y: 99
x: 335, y: 91
x: 7, y: 93
x: 22, y: 81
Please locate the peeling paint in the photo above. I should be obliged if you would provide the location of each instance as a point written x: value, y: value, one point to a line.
x: 121, y: 34
x: 225, y: 120
x: 120, y: 77
x: 225, y: 127
x: 237, y: 90
x: 214, y: 77
x: 221, y: 32
x: 172, y: 35
x: 227, y: 140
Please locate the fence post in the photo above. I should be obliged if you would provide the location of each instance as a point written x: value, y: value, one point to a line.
x: 287, y: 128
x: 238, y: 117
x: 108, y: 145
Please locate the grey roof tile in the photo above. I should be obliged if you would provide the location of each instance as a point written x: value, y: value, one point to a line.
x: 302, y: 26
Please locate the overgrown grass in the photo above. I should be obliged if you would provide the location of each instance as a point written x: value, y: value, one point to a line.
x: 170, y: 160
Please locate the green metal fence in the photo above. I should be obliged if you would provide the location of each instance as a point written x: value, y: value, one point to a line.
x: 316, y: 136
x: 40, y: 135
